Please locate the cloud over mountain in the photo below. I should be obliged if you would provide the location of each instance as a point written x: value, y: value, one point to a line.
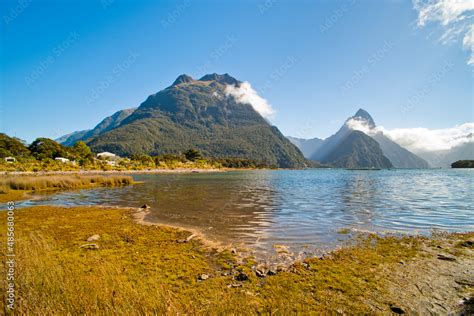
x: 244, y: 93
x: 419, y: 138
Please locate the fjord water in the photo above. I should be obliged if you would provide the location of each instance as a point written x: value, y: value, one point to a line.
x: 302, y: 209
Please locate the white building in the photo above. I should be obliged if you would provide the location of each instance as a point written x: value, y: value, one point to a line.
x: 63, y: 160
x: 106, y: 155
x: 10, y: 159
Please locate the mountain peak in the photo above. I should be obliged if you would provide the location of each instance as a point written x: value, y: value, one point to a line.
x: 224, y: 79
x: 362, y: 114
x: 183, y: 79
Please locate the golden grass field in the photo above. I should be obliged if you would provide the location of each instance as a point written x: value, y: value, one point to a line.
x: 14, y: 187
x: 143, y: 270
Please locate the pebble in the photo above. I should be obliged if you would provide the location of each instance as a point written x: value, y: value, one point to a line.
x: 397, y: 309
x: 93, y: 238
x: 203, y: 277
x: 90, y: 246
x: 446, y: 257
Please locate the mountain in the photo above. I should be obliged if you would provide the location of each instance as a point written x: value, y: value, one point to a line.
x: 357, y: 150
x: 71, y: 138
x: 105, y: 125
x: 444, y: 158
x: 307, y: 146
x: 200, y: 114
x: 397, y: 155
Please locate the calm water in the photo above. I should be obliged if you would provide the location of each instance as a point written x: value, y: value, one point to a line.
x: 304, y: 210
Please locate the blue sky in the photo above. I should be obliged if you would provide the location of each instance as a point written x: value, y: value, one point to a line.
x: 64, y: 67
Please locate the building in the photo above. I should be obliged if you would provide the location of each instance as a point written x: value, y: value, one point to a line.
x: 10, y: 159
x: 63, y: 160
x: 107, y: 156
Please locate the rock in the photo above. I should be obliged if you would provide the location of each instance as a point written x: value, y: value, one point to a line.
x: 145, y: 206
x: 180, y: 241
x: 234, y: 285
x: 446, y: 257
x: 397, y: 309
x: 241, y: 277
x: 260, y: 273
x: 203, y: 277
x: 190, y: 237
x: 93, y: 238
x: 90, y: 246
x: 468, y: 282
x: 271, y: 271
x: 467, y: 243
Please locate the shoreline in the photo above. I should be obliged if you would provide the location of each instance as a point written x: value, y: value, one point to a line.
x: 139, y: 217
x: 413, y: 274
x: 90, y: 172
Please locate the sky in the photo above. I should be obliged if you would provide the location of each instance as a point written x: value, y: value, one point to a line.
x: 65, y: 65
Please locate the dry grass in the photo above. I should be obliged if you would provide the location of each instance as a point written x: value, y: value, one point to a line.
x: 34, y: 183
x: 13, y: 188
x: 144, y: 270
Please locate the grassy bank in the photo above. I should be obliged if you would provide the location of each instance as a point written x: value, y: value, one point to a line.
x: 140, y: 269
x: 14, y: 188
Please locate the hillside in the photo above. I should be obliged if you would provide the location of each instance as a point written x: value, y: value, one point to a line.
x: 357, y: 150
x: 399, y: 156
x: 199, y: 114
x: 307, y: 146
x: 105, y: 125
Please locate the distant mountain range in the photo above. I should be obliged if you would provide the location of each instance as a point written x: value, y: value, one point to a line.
x: 105, y: 125
x: 444, y: 158
x: 307, y: 146
x: 198, y: 114
x: 202, y: 114
x: 349, y: 149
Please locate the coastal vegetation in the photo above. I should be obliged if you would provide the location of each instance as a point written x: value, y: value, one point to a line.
x: 14, y: 187
x: 92, y: 260
x: 463, y: 164
x: 48, y: 155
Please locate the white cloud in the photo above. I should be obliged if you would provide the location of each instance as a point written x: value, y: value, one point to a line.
x: 246, y: 94
x: 468, y: 43
x: 455, y: 17
x: 421, y: 139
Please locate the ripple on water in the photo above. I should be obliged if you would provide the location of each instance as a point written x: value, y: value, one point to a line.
x: 303, y: 209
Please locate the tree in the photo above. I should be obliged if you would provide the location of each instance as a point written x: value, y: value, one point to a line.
x: 12, y: 146
x: 193, y: 155
x: 44, y: 148
x: 83, y: 153
x: 82, y: 150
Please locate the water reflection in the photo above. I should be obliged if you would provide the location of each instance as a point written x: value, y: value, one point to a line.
x: 302, y: 209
